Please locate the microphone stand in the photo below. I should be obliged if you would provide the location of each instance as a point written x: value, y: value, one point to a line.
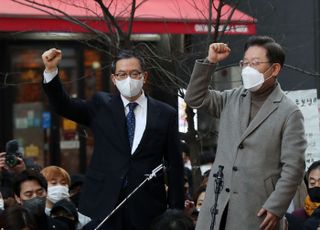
x: 218, y: 189
x: 149, y: 177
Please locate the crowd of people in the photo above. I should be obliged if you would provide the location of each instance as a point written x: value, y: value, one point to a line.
x: 254, y: 180
x: 48, y: 199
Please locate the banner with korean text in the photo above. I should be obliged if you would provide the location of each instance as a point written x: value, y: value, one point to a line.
x: 307, y: 101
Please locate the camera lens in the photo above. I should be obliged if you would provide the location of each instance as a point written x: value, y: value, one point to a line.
x: 11, y: 160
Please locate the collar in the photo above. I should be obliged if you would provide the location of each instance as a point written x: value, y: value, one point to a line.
x: 142, y: 100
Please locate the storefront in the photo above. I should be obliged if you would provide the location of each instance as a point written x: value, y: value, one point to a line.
x: 42, y: 134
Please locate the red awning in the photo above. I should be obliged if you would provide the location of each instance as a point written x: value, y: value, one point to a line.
x: 152, y: 16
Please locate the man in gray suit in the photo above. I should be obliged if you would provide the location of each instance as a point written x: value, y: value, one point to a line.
x: 261, y: 140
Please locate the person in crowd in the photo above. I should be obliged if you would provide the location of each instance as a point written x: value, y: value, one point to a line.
x: 188, y: 182
x: 192, y: 207
x: 58, y: 180
x: 199, y: 197
x: 206, y: 160
x: 17, y: 217
x: 65, y: 211
x: 77, y: 181
x: 261, y: 141
x: 173, y: 219
x: 7, y: 173
x: 309, y: 215
x: 133, y: 134
x: 186, y: 155
x: 30, y: 189
x: 187, y: 187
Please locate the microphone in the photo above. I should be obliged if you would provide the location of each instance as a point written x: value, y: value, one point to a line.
x: 219, y: 174
x: 217, y: 190
x: 219, y: 179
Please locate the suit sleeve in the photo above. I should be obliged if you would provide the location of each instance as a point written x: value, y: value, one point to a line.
x: 173, y: 158
x: 198, y: 94
x: 293, y: 165
x: 72, y: 108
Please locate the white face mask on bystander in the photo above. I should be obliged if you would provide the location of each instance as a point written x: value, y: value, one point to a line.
x: 57, y: 192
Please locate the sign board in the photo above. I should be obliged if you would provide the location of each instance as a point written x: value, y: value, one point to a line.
x: 307, y: 101
x: 46, y: 120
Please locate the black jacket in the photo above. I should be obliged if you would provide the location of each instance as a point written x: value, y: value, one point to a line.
x: 46, y: 222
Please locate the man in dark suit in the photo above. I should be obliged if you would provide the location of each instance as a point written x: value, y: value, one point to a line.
x: 133, y: 134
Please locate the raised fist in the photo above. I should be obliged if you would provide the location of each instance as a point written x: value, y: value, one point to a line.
x: 218, y: 52
x: 51, y: 58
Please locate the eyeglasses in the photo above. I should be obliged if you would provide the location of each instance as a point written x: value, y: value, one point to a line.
x: 133, y: 75
x: 254, y: 63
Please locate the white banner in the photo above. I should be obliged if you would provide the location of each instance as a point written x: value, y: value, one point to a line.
x: 307, y: 101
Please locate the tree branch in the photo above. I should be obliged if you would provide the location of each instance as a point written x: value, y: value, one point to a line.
x: 109, y: 17
x: 131, y: 18
x: 228, y: 20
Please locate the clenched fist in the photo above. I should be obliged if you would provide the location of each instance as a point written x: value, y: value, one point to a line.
x: 218, y: 52
x: 51, y: 58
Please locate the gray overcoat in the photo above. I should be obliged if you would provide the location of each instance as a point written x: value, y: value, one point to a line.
x: 263, y: 160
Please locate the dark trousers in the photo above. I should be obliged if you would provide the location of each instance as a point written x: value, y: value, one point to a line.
x: 121, y: 220
x: 224, y: 218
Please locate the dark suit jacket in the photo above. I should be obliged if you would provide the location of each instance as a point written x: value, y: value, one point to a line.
x: 112, y: 161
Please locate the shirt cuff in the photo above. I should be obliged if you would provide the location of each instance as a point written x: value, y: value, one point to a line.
x: 47, y: 77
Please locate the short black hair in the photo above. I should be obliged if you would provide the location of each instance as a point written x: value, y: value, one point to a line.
x: 313, y: 166
x: 173, y: 219
x: 275, y: 52
x: 28, y: 175
x: 17, y: 217
x: 207, y: 157
x: 126, y: 54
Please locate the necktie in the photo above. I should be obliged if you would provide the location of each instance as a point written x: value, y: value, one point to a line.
x: 131, y: 122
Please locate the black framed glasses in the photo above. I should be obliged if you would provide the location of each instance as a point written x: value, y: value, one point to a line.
x: 133, y: 74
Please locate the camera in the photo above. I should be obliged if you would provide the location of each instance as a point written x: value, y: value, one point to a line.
x: 12, y: 153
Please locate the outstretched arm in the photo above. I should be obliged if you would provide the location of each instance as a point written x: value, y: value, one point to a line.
x: 72, y: 108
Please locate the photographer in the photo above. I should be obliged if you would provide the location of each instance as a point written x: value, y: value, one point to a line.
x: 11, y: 163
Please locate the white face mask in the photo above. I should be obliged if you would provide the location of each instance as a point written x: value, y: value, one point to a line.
x: 205, y: 168
x: 129, y: 87
x: 252, y: 79
x: 57, y: 192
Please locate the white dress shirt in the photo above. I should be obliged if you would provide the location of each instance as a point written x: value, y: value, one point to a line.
x: 140, y: 111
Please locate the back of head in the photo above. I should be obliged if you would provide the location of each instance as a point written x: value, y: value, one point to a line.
x: 65, y: 207
x: 173, y: 219
x: 16, y: 218
x: 28, y: 175
x: 275, y: 52
x: 54, y: 172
